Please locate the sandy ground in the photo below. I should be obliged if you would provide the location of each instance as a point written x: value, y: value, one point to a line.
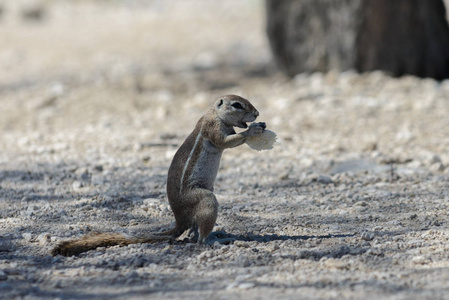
x: 95, y: 98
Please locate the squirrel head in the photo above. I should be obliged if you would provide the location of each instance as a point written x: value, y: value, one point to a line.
x: 235, y: 111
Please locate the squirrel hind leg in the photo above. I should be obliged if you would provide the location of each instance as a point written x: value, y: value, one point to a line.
x: 206, y: 214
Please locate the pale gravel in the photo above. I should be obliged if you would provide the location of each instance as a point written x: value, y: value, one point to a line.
x: 352, y: 201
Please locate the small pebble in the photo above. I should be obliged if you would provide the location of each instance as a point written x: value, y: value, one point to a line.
x: 324, y: 179
x: 367, y: 236
x: 43, y: 239
x: 27, y: 236
x: 419, y: 260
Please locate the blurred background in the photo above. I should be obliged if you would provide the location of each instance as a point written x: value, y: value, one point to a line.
x: 141, y: 52
x: 55, y: 38
x: 128, y: 71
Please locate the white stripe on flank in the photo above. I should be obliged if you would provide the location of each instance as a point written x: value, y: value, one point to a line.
x: 190, y: 157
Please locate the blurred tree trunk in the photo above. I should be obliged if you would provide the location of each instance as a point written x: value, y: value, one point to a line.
x: 396, y: 36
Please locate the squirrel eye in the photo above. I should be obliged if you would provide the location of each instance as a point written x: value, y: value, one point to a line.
x: 237, y: 105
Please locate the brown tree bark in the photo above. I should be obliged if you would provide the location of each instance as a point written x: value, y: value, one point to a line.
x: 396, y: 36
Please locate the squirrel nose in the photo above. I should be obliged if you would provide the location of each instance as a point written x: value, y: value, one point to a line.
x: 256, y: 113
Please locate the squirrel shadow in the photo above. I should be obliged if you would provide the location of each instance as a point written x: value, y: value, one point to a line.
x: 225, y: 238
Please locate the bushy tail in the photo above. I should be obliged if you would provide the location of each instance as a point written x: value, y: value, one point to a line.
x: 95, y: 240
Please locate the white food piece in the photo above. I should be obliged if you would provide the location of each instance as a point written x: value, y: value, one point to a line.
x: 263, y: 141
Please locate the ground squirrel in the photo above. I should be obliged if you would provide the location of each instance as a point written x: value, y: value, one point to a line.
x: 191, y: 176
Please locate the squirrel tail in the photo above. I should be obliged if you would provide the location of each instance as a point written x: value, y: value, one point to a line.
x: 95, y: 240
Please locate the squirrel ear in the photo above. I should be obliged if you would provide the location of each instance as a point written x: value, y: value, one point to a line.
x: 220, y: 103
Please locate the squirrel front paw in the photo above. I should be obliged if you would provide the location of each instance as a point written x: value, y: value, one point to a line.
x: 256, y: 128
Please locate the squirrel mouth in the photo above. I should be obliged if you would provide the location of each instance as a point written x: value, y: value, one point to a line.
x: 243, y: 125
